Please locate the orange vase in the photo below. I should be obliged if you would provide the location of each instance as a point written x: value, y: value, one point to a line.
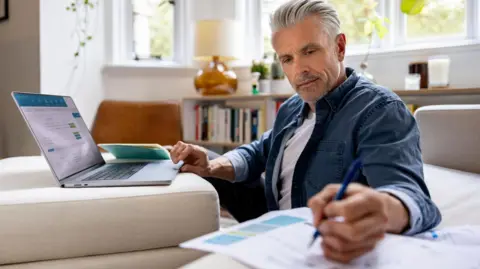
x: 216, y: 79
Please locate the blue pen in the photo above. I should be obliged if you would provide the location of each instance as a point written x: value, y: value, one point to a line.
x: 349, y: 176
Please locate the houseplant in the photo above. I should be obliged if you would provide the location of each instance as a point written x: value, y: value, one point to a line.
x: 263, y: 79
x: 82, y: 10
x: 278, y: 84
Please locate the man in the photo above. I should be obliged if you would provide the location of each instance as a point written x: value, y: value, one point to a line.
x: 335, y: 117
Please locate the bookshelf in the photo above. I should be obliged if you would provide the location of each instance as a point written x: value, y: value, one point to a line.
x: 268, y: 103
x: 261, y: 107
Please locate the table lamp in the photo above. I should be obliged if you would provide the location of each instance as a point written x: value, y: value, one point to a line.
x: 216, y: 41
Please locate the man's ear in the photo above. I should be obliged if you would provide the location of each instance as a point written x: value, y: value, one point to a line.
x: 341, y: 43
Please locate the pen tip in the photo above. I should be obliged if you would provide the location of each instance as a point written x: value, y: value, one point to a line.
x: 311, y: 242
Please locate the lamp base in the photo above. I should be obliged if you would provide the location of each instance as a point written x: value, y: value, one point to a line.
x: 216, y: 79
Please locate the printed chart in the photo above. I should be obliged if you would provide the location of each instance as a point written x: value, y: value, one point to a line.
x: 280, y: 239
x: 244, y: 232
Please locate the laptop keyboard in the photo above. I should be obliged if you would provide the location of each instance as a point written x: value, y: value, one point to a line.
x: 116, y: 171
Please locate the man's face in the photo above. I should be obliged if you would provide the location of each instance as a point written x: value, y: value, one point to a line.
x: 311, y: 59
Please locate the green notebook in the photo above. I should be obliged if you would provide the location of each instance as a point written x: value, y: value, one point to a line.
x: 137, y: 151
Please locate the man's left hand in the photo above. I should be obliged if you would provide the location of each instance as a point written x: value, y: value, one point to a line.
x: 365, y: 221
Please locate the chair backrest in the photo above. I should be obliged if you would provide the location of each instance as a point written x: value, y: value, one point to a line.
x: 450, y: 136
x: 138, y: 122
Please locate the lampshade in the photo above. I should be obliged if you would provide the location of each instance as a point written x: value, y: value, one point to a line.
x: 217, y: 38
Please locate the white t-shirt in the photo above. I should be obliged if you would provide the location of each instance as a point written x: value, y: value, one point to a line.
x: 292, y: 151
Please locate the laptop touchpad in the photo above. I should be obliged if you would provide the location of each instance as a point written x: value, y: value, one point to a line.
x: 157, y: 171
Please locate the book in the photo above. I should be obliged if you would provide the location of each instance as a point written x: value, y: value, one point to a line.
x: 228, y: 124
x: 137, y: 151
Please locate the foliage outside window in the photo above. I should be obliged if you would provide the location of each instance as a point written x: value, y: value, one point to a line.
x: 439, y: 18
x: 153, y: 29
x: 354, y: 16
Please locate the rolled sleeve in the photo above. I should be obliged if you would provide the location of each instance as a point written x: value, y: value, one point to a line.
x: 415, y: 215
x: 249, y: 160
x: 239, y: 164
x: 389, y: 146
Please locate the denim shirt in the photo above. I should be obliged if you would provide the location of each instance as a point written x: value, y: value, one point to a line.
x: 358, y: 119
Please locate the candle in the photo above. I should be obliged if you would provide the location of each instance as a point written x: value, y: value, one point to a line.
x: 438, y: 71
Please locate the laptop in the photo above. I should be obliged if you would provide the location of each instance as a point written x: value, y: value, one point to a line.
x: 73, y: 156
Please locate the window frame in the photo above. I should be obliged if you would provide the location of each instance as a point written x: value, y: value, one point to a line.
x: 119, y: 14
x: 396, y: 39
x: 257, y: 13
x: 119, y: 33
x: 401, y: 23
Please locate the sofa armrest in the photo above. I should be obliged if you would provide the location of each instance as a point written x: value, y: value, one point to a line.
x: 57, y: 223
x: 450, y: 136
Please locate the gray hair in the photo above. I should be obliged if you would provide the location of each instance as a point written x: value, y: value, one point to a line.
x: 294, y: 11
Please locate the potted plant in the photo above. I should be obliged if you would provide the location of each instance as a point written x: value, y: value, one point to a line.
x: 262, y: 69
x: 279, y: 83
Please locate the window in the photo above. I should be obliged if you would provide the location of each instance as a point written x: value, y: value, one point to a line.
x: 268, y: 6
x: 441, y: 21
x: 351, y: 13
x: 439, y: 18
x: 153, y: 29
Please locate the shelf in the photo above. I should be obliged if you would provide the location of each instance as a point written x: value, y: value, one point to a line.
x: 421, y: 92
x: 260, y: 96
x: 438, y: 91
x: 214, y: 144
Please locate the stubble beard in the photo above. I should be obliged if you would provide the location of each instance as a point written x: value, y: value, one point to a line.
x: 313, y: 93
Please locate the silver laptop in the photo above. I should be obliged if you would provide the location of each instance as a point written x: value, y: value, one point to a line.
x: 72, y: 154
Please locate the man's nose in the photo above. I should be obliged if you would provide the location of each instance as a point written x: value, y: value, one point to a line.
x: 300, y: 67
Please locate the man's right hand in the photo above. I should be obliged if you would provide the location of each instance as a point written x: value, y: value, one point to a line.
x: 195, y: 158
x: 196, y: 161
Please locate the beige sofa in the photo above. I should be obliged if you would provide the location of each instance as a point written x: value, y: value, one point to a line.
x: 44, y: 226
x: 450, y: 141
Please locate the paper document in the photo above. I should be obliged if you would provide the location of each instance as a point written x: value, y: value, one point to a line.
x: 462, y: 236
x: 279, y: 239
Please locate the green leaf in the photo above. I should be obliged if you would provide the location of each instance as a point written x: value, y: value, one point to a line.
x: 72, y: 4
x: 380, y: 28
x: 74, y: 9
x: 91, y: 5
x: 67, y: 8
x: 412, y: 7
x: 82, y: 44
x: 382, y: 31
x: 368, y: 28
x: 76, y: 54
x: 86, y: 2
x: 89, y: 37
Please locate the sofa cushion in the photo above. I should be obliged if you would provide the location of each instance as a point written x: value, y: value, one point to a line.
x: 57, y: 223
x: 164, y: 258
x: 456, y: 193
x: 216, y: 260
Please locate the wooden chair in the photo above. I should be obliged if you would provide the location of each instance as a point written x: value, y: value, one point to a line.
x: 138, y: 122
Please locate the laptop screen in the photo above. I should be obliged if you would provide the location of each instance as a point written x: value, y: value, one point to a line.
x: 60, y: 132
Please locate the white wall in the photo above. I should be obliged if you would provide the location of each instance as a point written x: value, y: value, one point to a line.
x: 61, y: 72
x: 36, y: 55
x: 153, y: 83
x: 390, y: 69
x: 19, y: 71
